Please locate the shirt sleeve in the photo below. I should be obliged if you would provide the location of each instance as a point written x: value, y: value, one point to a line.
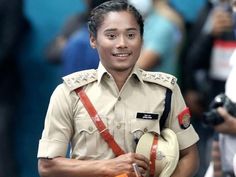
x: 58, y: 126
x: 185, y: 132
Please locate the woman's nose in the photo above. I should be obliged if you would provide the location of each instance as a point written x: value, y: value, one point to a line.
x: 121, y: 43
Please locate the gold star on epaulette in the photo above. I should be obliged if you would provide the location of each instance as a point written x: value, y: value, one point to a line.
x: 80, y: 79
x: 160, y: 78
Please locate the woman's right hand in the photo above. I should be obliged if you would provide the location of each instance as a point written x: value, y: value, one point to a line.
x: 123, y: 164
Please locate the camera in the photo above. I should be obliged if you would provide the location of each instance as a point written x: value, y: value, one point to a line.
x: 212, y: 117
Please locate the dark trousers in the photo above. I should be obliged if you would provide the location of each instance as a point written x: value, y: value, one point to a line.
x: 7, y: 160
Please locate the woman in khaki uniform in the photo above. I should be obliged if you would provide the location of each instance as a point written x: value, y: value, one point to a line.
x: 128, y: 100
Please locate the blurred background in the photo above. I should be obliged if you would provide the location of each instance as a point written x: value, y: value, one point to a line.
x: 42, y: 40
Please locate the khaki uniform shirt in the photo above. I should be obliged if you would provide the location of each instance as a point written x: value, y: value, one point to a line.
x: 67, y: 121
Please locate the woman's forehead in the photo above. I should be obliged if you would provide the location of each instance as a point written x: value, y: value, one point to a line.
x: 119, y: 18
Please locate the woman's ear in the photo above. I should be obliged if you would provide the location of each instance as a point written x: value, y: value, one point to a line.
x: 92, y: 41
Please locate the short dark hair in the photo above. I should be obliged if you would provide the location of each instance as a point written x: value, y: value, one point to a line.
x: 97, y: 14
x: 95, y: 3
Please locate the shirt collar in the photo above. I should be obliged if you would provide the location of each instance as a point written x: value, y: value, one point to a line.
x: 101, y: 72
x: 136, y: 72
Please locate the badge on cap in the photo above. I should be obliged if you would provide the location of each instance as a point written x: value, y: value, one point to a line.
x: 184, y: 118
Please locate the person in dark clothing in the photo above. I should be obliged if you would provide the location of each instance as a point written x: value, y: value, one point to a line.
x: 77, y: 53
x: 207, y: 67
x: 54, y: 50
x: 213, y: 36
x: 13, y: 25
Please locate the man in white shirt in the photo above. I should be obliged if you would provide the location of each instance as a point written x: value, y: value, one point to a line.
x: 227, y: 130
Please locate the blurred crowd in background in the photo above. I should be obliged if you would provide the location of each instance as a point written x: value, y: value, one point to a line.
x: 42, y: 41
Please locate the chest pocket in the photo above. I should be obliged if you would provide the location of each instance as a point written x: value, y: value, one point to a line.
x: 140, y: 126
x: 90, y: 143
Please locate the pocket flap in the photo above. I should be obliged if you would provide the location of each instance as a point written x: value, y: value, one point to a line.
x: 145, y: 126
x: 86, y: 125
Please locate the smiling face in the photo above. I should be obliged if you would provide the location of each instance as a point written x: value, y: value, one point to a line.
x: 118, y: 41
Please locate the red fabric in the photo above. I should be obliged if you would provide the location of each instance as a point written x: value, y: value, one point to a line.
x: 153, y: 155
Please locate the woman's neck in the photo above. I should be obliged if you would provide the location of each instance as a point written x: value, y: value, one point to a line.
x: 120, y: 78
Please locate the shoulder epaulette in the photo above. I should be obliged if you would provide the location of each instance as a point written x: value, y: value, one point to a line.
x: 163, y: 79
x: 79, y: 79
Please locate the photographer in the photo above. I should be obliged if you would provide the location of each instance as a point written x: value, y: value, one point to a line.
x: 229, y: 124
x: 222, y: 117
x: 206, y: 66
x: 227, y: 129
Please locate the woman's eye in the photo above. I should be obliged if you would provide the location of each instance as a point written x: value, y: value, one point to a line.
x: 131, y: 35
x: 111, y: 36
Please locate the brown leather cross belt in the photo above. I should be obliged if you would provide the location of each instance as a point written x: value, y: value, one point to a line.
x: 153, y: 156
x: 98, y: 122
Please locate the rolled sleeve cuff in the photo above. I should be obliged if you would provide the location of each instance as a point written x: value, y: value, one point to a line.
x: 51, y: 149
x: 187, y: 137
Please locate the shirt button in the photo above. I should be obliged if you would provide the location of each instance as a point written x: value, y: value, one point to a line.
x: 145, y: 130
x: 119, y: 98
x: 118, y: 126
x: 90, y: 128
